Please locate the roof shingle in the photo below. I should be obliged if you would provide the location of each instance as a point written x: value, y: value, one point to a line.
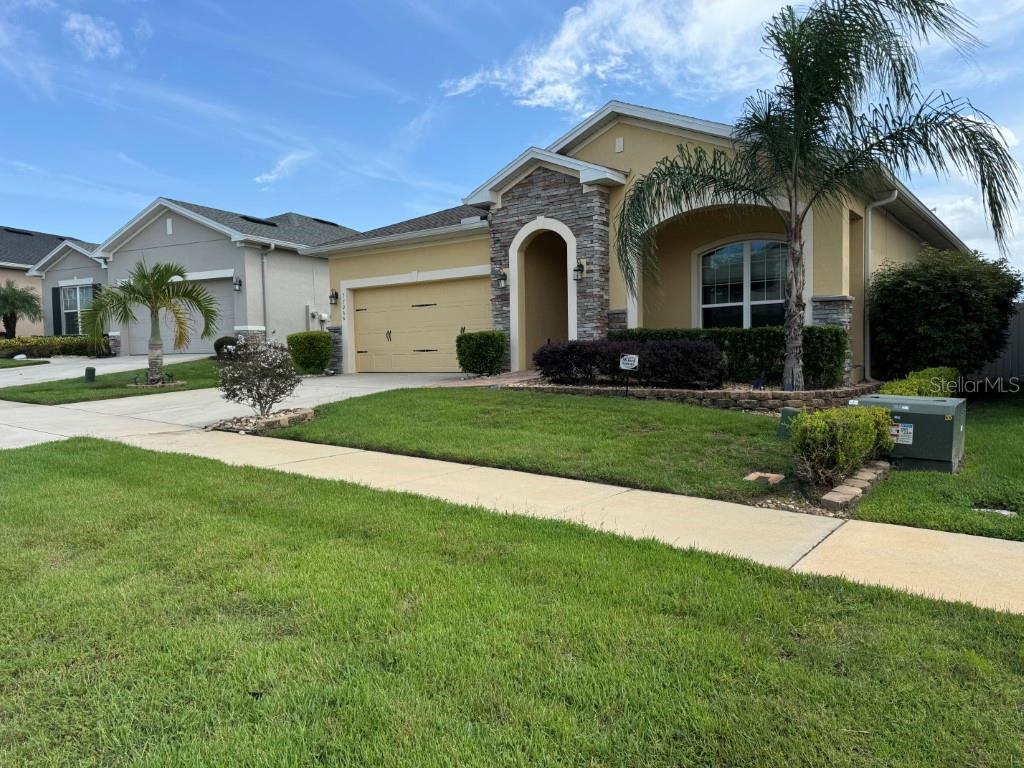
x: 285, y: 227
x: 24, y: 246
x: 446, y: 218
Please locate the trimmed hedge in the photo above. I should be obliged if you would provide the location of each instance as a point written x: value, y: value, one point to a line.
x: 759, y: 353
x: 929, y: 382
x: 220, y: 345
x: 675, y: 363
x: 49, y: 346
x: 311, y: 350
x: 481, y: 352
x: 830, y: 445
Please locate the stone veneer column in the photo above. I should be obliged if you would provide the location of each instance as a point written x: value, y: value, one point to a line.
x: 836, y: 310
x: 560, y: 196
x: 336, y: 348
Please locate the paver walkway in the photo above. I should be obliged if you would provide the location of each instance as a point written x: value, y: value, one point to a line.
x: 983, y: 571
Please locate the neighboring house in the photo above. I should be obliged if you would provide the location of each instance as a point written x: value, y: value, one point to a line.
x: 19, y: 250
x: 70, y: 276
x: 252, y: 266
x: 532, y: 253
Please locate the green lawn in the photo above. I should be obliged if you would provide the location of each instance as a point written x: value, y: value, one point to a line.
x: 7, y: 362
x: 992, y: 477
x: 198, y: 374
x: 644, y: 444
x: 246, y: 617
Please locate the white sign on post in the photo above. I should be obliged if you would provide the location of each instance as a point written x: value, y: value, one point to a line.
x: 629, y: 362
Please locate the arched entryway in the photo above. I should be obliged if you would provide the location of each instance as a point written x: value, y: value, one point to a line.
x: 543, y: 293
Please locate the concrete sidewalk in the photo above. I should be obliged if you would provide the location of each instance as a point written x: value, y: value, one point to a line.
x: 985, y: 572
x: 72, y: 367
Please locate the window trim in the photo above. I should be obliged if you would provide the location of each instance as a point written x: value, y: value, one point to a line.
x: 697, y: 276
x: 77, y: 286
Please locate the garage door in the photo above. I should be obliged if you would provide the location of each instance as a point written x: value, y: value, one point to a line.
x: 224, y: 294
x: 412, y: 328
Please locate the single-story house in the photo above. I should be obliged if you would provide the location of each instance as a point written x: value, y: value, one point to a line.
x: 19, y: 250
x: 531, y: 252
x: 254, y: 267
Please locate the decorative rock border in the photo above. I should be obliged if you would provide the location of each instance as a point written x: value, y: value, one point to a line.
x: 850, y: 491
x: 257, y: 425
x: 765, y: 400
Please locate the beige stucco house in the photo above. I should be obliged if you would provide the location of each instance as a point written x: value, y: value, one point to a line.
x: 531, y: 252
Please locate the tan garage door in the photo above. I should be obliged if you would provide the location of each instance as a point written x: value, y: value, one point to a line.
x: 412, y: 328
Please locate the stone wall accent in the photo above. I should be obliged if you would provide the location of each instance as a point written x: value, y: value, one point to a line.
x: 555, y: 195
x: 337, y: 349
x: 617, y: 320
x: 114, y: 342
x: 836, y: 310
x: 764, y: 400
x: 852, y: 489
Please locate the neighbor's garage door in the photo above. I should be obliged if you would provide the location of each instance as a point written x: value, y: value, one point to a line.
x: 412, y: 328
x: 221, y: 290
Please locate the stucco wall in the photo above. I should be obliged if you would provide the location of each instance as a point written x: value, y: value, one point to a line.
x: 471, y: 251
x: 74, y: 266
x: 668, y: 300
x: 296, y: 286
x: 19, y: 278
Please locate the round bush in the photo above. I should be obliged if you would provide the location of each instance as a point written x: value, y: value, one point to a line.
x: 311, y: 350
x: 481, y: 352
x: 945, y: 309
x: 220, y: 345
x: 830, y: 445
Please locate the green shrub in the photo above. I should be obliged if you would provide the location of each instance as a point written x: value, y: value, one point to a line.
x: 759, y: 353
x: 311, y: 350
x: 933, y: 382
x: 481, y: 352
x: 221, y: 345
x: 50, y: 346
x: 830, y: 445
x: 945, y: 308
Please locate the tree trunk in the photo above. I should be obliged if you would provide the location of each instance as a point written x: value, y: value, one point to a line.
x: 10, y: 326
x: 793, y: 370
x: 156, y: 349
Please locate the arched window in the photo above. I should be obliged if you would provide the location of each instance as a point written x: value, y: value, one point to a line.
x: 743, y: 284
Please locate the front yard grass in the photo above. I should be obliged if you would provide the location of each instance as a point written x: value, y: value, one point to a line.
x: 246, y: 617
x: 643, y: 444
x: 197, y: 374
x: 992, y: 478
x: 10, y: 362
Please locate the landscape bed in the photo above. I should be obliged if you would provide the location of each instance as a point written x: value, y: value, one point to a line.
x: 248, y: 617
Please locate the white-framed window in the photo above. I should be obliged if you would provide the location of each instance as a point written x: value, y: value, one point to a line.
x: 743, y: 284
x: 73, y: 299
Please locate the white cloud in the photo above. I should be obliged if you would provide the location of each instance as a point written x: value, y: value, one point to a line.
x: 965, y: 214
x: 94, y: 36
x: 691, y: 48
x: 284, y: 167
x: 142, y: 30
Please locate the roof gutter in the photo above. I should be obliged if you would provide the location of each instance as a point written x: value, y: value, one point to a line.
x: 890, y: 198
x: 15, y: 265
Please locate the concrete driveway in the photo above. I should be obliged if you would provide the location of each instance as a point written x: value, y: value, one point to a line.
x: 73, y: 367
x: 22, y: 424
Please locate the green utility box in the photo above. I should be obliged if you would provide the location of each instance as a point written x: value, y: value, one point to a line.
x: 928, y: 432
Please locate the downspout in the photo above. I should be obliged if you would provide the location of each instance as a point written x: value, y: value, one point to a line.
x: 263, y: 283
x: 890, y: 198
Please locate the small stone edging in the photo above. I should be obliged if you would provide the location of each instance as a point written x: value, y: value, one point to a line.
x: 852, y: 489
x: 764, y: 400
x: 257, y: 425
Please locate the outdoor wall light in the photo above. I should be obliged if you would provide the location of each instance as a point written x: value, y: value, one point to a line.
x: 333, y: 297
x: 579, y: 270
x: 502, y: 277
x: 237, y: 284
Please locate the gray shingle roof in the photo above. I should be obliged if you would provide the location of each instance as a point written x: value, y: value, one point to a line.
x: 23, y: 246
x: 285, y: 227
x: 446, y: 218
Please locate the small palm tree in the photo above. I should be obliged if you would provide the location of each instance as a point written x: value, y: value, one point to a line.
x: 161, y: 287
x: 18, y: 302
x: 846, y: 115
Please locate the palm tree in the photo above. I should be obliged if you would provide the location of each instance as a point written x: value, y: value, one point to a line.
x: 845, y: 116
x: 17, y: 302
x: 161, y: 287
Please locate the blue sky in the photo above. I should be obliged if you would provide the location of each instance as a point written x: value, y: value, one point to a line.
x: 371, y: 112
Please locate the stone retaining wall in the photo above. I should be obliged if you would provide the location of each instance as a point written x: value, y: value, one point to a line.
x: 766, y: 400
